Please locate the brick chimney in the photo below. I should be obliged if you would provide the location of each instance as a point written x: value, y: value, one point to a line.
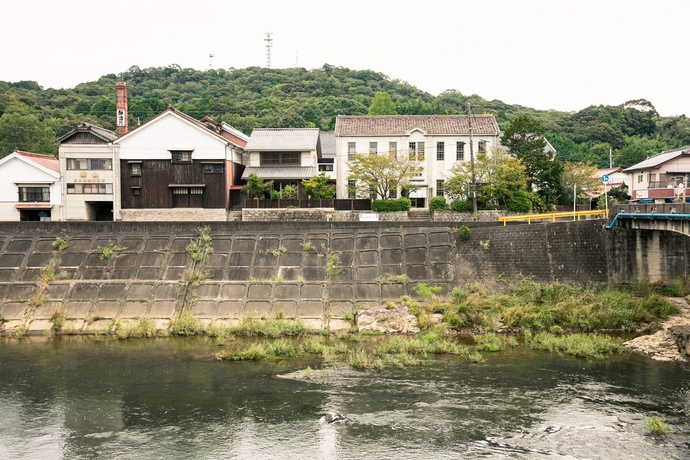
x: 121, y: 120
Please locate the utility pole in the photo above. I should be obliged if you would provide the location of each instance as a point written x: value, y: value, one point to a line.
x: 475, y: 215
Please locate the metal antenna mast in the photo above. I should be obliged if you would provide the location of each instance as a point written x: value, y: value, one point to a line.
x: 269, y: 44
x: 210, y: 64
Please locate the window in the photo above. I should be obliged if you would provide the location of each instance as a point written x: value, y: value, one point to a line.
x: 352, y: 188
x: 280, y: 158
x: 373, y: 148
x: 372, y: 193
x: 393, y: 193
x: 482, y: 147
x: 89, y: 189
x: 416, y: 151
x: 639, y: 179
x: 181, y: 156
x: 460, y: 151
x: 439, y: 188
x: 213, y: 168
x: 393, y: 148
x: 31, y: 194
x: 326, y: 166
x: 440, y: 151
x: 351, y: 150
x: 89, y: 163
x: 136, y: 191
x: 135, y: 169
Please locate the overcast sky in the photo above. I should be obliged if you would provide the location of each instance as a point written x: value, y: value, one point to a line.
x: 545, y: 54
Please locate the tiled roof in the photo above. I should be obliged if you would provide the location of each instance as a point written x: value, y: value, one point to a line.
x: 283, y: 140
x: 280, y: 172
x: 105, y: 134
x: 402, y: 124
x: 659, y: 159
x: 47, y: 161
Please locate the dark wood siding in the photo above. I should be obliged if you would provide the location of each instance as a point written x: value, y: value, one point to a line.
x: 154, y: 185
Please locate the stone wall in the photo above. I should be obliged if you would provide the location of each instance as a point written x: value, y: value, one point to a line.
x: 173, y: 215
x: 318, y: 271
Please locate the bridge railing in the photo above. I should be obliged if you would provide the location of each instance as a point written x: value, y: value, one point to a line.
x: 552, y: 216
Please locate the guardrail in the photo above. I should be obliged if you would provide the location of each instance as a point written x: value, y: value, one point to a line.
x: 599, y: 213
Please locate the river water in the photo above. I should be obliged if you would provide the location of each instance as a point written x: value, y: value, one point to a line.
x: 84, y: 398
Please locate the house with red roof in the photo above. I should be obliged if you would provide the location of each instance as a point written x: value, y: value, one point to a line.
x: 31, y: 190
x: 435, y: 141
x: 175, y: 167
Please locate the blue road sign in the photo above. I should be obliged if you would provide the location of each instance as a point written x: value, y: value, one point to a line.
x: 605, y: 178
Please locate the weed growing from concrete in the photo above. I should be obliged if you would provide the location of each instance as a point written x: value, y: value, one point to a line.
x: 393, y: 279
x: 60, y: 244
x: 307, y: 246
x: 465, y: 232
x: 138, y: 328
x: 485, y: 244
x: 656, y: 426
x: 426, y: 291
x: 186, y: 325
x: 110, y: 251
x: 58, y: 318
x: 333, y: 266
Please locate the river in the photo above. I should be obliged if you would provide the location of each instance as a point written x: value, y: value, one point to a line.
x: 86, y: 398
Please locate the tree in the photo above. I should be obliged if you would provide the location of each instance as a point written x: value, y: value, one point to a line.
x: 256, y: 187
x: 500, y: 178
x: 524, y: 138
x: 582, y: 179
x: 318, y: 187
x: 25, y: 132
x: 382, y: 105
x: 383, y: 173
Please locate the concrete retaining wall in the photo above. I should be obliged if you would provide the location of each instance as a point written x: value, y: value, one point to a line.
x: 317, y: 271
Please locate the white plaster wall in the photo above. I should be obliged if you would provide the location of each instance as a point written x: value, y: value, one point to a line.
x: 16, y: 171
x: 433, y: 170
x: 155, y: 140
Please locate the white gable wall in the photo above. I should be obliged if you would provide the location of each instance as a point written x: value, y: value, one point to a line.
x: 155, y: 140
x: 17, y: 171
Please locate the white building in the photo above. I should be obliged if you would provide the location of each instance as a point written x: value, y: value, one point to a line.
x: 661, y: 177
x: 31, y: 187
x: 90, y: 172
x: 436, y: 141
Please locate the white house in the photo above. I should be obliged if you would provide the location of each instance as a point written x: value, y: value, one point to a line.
x: 174, y: 162
x: 435, y: 141
x: 90, y: 172
x: 661, y: 177
x: 283, y: 155
x: 31, y: 188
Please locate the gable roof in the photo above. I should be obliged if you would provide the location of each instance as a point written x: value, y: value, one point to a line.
x: 284, y: 140
x: 87, y: 133
x: 403, y: 124
x: 657, y: 160
x: 226, y: 130
x: 171, y: 111
x: 47, y: 163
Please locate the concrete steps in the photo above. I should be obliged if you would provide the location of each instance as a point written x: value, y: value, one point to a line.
x: 420, y: 215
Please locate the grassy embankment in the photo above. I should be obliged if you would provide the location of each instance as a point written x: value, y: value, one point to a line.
x: 553, y: 317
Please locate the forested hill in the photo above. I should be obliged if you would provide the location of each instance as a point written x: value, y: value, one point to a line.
x: 31, y: 118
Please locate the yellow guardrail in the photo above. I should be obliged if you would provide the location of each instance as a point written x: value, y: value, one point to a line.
x: 600, y: 213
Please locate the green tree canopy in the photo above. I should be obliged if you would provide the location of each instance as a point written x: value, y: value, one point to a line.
x: 580, y: 179
x: 382, y: 105
x: 256, y: 187
x: 25, y: 132
x: 318, y: 187
x: 499, y: 176
x: 383, y: 173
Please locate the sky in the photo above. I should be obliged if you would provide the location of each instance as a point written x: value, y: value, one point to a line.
x: 546, y: 54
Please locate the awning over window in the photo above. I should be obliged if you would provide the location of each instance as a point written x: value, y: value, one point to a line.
x: 33, y: 206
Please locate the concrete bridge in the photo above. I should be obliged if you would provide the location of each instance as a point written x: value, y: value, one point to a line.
x: 671, y: 217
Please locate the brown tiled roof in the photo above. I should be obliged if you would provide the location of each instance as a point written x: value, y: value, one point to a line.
x: 47, y: 161
x: 402, y: 124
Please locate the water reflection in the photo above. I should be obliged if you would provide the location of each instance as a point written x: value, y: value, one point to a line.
x: 169, y: 398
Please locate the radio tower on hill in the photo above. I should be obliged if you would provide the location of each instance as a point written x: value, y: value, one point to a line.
x: 269, y: 44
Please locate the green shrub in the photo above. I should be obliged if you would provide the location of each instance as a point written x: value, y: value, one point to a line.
x: 461, y: 206
x: 60, y: 244
x: 437, y: 203
x: 465, y: 232
x: 657, y: 426
x: 520, y: 202
x: 391, y: 205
